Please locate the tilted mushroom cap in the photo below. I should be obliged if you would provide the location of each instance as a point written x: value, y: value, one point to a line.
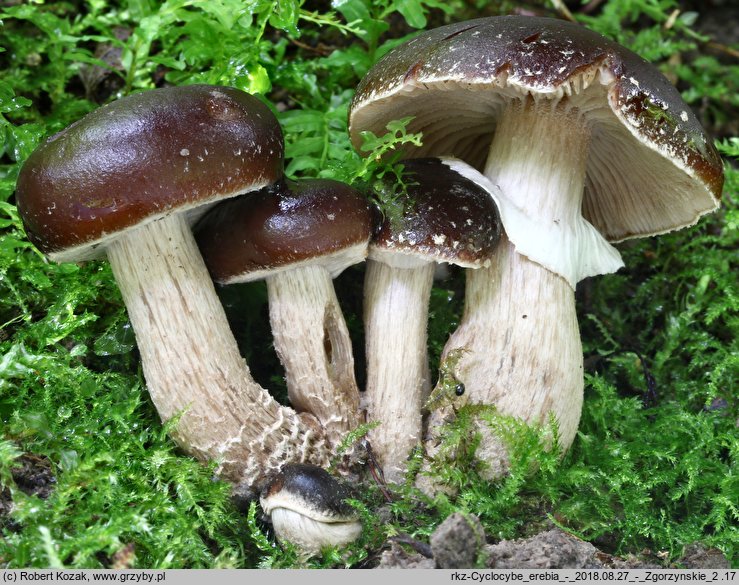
x: 445, y: 217
x: 309, y: 508
x: 142, y: 157
x: 651, y: 168
x: 288, y: 224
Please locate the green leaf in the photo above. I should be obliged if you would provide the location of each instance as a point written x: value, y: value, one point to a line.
x: 285, y: 16
x: 24, y: 139
x: 357, y: 13
x: 413, y: 12
x: 256, y: 81
x: 9, y: 102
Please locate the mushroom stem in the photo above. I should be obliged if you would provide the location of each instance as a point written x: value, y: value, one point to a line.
x: 395, y: 320
x: 192, y: 364
x: 537, y: 158
x: 314, y: 346
x: 541, y: 147
x: 520, y: 332
x: 529, y: 362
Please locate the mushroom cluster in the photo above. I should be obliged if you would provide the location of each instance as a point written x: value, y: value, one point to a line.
x: 585, y: 144
x: 298, y: 236
x: 543, y: 143
x: 127, y: 181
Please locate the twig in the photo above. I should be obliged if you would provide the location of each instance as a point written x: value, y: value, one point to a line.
x: 321, y: 49
x: 420, y: 547
x: 721, y: 48
x: 376, y: 471
x: 563, y: 10
x: 670, y: 22
x: 591, y: 6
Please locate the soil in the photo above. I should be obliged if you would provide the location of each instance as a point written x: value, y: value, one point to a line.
x: 33, y: 476
x: 459, y: 543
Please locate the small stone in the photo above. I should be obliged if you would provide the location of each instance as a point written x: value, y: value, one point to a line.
x: 553, y: 549
x: 397, y: 558
x: 698, y: 556
x: 458, y: 542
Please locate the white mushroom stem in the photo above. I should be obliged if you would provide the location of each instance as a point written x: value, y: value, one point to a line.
x: 314, y: 346
x: 396, y: 300
x: 191, y: 362
x: 520, y: 327
x: 523, y: 351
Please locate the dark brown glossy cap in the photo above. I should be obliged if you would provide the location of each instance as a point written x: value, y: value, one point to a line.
x: 445, y: 217
x: 646, y: 146
x: 284, y: 225
x: 311, y: 491
x: 142, y: 157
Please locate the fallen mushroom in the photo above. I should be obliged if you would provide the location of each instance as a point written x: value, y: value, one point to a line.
x: 308, y: 508
x: 587, y: 142
x: 126, y: 181
x: 298, y: 235
x: 442, y: 217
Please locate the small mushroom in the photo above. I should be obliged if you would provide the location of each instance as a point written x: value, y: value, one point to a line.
x: 588, y: 143
x: 441, y: 217
x: 126, y: 181
x: 308, y: 508
x: 298, y: 235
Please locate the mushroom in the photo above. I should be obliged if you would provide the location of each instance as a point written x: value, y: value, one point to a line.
x: 309, y: 508
x: 126, y: 181
x: 442, y: 217
x: 298, y: 235
x: 588, y: 143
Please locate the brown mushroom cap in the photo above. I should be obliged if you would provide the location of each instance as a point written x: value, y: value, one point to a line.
x: 312, y: 491
x: 284, y: 225
x: 445, y: 217
x: 142, y: 157
x: 309, y: 508
x: 649, y: 156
